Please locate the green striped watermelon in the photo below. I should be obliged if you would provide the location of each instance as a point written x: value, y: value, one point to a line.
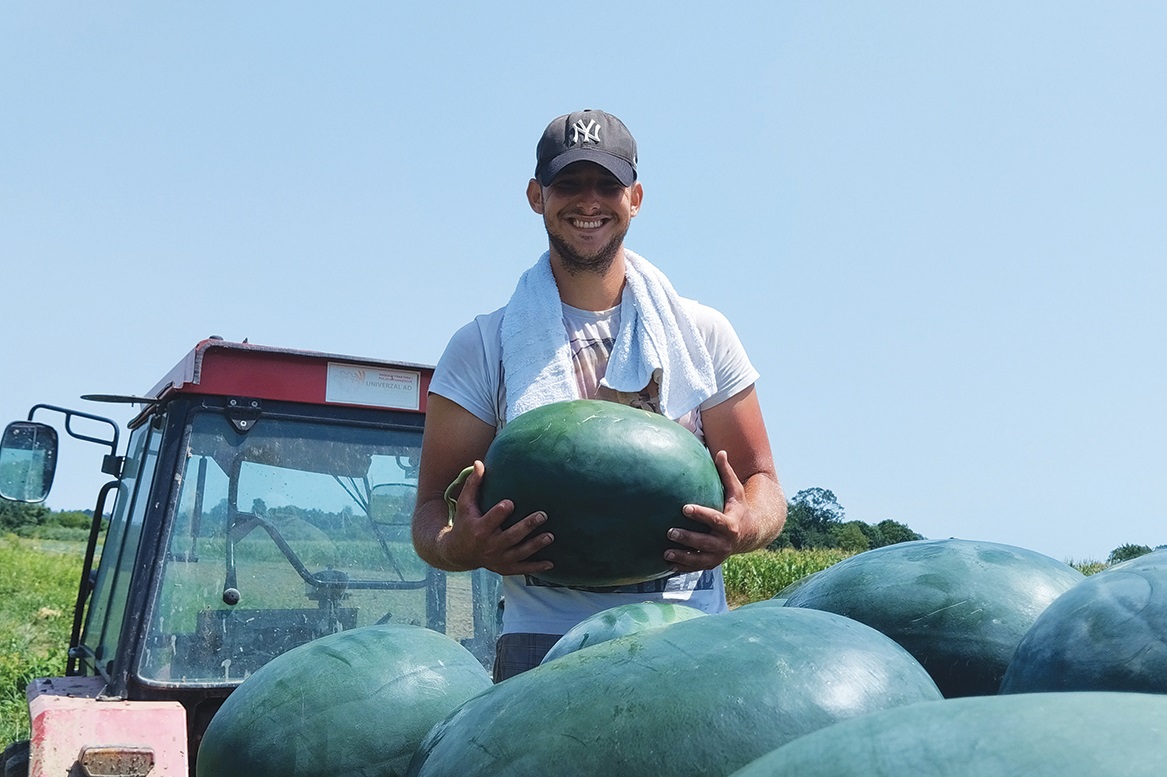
x: 620, y: 621
x: 700, y: 697
x: 959, y: 606
x: 350, y: 704
x: 612, y: 480
x: 1107, y: 633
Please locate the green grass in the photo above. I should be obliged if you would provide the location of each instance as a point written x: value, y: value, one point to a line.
x: 38, y: 588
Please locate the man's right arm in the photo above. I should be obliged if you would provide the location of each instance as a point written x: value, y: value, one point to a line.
x: 454, y: 439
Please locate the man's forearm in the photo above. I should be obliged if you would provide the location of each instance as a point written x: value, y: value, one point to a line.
x: 766, y: 505
x: 431, y: 519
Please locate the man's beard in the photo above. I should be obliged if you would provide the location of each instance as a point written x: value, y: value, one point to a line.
x: 576, y: 263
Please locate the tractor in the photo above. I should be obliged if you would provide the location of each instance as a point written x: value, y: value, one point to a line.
x: 263, y: 499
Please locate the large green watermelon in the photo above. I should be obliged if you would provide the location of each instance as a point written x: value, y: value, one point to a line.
x: 1035, y: 735
x: 352, y: 704
x: 1107, y: 633
x: 612, y: 480
x: 959, y: 606
x: 620, y: 621
x: 700, y: 697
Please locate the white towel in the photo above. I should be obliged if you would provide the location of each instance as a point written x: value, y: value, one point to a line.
x: 536, y: 357
x: 656, y: 332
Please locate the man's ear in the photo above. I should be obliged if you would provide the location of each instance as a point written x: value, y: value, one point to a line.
x: 637, y: 196
x: 535, y: 196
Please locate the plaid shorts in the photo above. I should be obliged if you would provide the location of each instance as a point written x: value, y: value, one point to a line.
x: 516, y: 653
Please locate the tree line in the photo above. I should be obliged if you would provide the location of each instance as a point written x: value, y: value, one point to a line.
x: 814, y: 520
x: 31, y: 519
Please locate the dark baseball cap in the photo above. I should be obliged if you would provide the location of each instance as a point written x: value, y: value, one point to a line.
x: 586, y: 136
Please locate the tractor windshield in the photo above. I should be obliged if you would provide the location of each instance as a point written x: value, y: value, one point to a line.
x: 291, y: 529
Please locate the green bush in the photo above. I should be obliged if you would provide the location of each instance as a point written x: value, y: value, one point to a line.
x: 59, y: 533
x: 71, y: 519
x: 16, y: 514
x: 850, y: 536
x: 1126, y: 553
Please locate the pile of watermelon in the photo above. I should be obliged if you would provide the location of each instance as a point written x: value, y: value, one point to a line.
x: 935, y: 657
x: 939, y: 657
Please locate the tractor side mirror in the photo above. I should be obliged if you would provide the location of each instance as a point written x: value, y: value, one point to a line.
x: 28, y: 461
x: 391, y: 504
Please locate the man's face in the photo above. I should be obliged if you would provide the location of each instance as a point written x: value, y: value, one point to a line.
x: 586, y: 211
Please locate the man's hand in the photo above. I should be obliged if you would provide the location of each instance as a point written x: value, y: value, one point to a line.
x: 755, y: 508
x: 474, y: 540
x: 478, y: 540
x: 728, y: 527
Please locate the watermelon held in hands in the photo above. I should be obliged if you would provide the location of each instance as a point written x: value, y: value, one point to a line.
x: 353, y: 703
x: 959, y: 606
x: 699, y: 697
x: 620, y: 621
x: 1107, y: 633
x: 1037, y: 735
x: 612, y: 480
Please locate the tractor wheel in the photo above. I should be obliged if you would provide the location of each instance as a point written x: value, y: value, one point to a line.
x: 14, y: 760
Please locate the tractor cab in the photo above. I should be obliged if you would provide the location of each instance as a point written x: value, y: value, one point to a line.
x: 264, y: 499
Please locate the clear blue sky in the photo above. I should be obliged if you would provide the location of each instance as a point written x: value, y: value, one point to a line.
x: 938, y: 227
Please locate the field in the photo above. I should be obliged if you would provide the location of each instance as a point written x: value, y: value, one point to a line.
x: 752, y: 577
x: 38, y: 588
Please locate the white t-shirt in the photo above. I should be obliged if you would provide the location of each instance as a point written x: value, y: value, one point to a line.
x: 470, y: 374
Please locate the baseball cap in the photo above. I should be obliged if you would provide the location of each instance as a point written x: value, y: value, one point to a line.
x: 591, y: 136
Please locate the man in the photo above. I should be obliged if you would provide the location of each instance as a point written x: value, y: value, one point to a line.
x: 591, y: 320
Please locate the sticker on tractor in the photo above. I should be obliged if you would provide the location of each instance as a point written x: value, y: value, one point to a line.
x: 353, y: 384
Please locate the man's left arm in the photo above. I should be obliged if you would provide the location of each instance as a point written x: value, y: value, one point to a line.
x: 755, y: 507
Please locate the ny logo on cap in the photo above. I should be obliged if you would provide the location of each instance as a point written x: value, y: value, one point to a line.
x: 591, y: 132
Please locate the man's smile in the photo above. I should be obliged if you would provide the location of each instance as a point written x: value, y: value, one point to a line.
x: 580, y: 223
